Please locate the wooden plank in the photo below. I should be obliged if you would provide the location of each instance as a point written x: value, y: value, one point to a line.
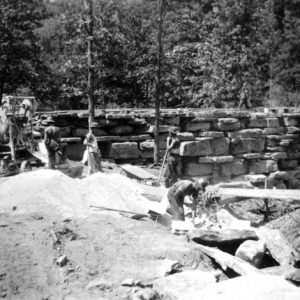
x: 227, y: 260
x: 261, y: 193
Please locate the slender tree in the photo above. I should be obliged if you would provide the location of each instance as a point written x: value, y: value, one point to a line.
x: 158, y: 79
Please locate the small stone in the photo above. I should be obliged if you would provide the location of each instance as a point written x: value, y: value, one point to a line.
x: 100, y: 284
x: 145, y: 294
x: 128, y: 282
x: 62, y: 260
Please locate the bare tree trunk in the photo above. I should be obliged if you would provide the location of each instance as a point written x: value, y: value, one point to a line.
x: 158, y: 80
x: 91, y: 70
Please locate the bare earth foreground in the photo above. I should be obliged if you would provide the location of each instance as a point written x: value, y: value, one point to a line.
x: 102, y: 249
x: 54, y: 246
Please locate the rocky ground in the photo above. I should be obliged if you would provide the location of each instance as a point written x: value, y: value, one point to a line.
x: 102, y: 250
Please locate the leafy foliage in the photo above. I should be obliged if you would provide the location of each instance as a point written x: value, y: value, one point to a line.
x: 216, y: 52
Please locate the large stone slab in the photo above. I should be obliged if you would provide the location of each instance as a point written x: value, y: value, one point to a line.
x: 277, y: 245
x: 275, y: 155
x: 200, y: 147
x: 263, y: 166
x: 197, y: 126
x: 195, y: 169
x: 212, y: 134
x: 178, y: 285
x: 185, y: 136
x: 256, y: 122
x: 81, y: 132
x: 220, y: 146
x: 249, y: 287
x: 124, y: 150
x: 291, y: 121
x: 246, y: 145
x: 246, y: 133
x: 216, y: 238
x: 216, y: 159
x: 274, y: 130
x: 228, y: 124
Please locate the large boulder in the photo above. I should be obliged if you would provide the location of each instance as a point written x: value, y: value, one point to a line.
x: 252, y: 252
x: 177, y: 286
x: 249, y: 287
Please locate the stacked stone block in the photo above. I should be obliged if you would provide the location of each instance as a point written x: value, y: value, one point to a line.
x: 219, y: 144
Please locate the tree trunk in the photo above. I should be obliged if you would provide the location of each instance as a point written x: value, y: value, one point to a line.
x: 90, y: 54
x: 158, y: 80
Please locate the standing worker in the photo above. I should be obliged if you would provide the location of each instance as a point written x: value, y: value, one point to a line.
x: 174, y: 162
x: 177, y: 193
x: 92, y: 153
x: 53, y: 144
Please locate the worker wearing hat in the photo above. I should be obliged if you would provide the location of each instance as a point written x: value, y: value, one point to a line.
x: 179, y: 191
x: 92, y: 153
x: 53, y: 143
x: 174, y: 163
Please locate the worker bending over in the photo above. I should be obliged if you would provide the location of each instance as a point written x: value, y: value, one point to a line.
x: 177, y: 193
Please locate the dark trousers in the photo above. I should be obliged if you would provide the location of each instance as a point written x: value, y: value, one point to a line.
x: 176, y: 207
x: 173, y: 170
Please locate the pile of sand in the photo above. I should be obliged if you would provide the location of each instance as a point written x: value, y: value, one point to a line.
x: 52, y: 192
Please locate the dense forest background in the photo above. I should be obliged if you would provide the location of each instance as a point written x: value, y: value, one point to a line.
x: 214, y: 52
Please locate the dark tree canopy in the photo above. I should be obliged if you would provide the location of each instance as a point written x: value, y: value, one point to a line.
x: 215, y: 52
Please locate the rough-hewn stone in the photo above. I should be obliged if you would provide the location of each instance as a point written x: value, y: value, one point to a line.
x: 239, y: 167
x: 220, y: 146
x: 124, y: 150
x: 246, y: 145
x: 273, y: 130
x: 185, y: 136
x: 257, y: 122
x: 275, y: 155
x: 216, y: 159
x: 200, y: 147
x: 246, y: 133
x: 263, y: 166
x: 196, y: 169
x: 291, y: 121
x: 228, y: 124
x: 197, y: 126
x: 212, y: 134
x: 272, y: 122
x: 252, y: 252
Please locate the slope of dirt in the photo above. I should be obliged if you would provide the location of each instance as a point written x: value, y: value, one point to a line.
x: 107, y: 248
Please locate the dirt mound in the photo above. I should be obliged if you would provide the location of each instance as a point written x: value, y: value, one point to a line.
x: 44, y: 191
x: 52, y: 192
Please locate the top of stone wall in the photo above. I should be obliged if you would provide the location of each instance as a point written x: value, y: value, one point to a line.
x: 180, y: 112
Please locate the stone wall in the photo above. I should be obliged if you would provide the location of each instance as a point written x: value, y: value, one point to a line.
x: 220, y: 144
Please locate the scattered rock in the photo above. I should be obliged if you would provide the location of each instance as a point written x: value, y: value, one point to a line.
x: 128, y: 282
x: 145, y: 294
x: 100, y: 284
x: 177, y: 286
x: 62, y: 260
x: 169, y: 267
x: 252, y: 252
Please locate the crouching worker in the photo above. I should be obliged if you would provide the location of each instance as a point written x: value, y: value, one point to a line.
x: 55, y: 149
x: 92, y: 153
x: 177, y: 193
